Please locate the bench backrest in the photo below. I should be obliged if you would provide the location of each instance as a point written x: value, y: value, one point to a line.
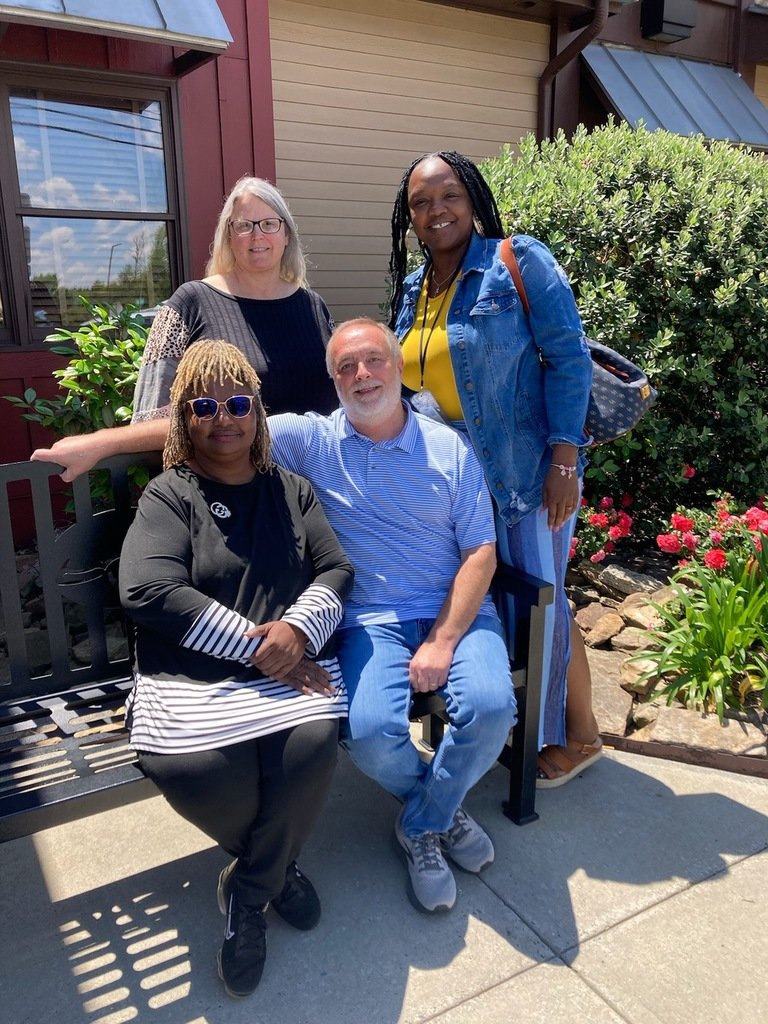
x: 62, y: 628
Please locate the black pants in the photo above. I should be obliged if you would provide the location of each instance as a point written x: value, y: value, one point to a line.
x: 259, y: 800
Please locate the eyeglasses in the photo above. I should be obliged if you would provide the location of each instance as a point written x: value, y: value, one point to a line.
x: 267, y: 226
x: 208, y: 408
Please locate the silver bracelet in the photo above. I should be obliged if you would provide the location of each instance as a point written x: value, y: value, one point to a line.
x: 564, y: 470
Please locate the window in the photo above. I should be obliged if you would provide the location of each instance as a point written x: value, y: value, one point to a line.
x: 88, y: 201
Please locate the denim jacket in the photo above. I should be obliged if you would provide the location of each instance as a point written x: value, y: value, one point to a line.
x: 514, y: 408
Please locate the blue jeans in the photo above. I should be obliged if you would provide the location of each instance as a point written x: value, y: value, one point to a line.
x: 479, y: 697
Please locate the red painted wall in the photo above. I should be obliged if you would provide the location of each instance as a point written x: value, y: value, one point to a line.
x: 225, y: 107
x: 225, y: 130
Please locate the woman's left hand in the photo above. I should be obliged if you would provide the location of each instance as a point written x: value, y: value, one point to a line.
x: 560, y: 497
x: 281, y: 649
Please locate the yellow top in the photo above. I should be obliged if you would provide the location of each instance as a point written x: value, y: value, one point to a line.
x: 426, y: 346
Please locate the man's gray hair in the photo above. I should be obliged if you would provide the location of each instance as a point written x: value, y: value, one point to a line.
x: 363, y: 321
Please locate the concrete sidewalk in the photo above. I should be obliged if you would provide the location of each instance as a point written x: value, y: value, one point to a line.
x: 641, y: 896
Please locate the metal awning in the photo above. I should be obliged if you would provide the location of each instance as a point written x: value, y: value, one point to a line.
x: 687, y: 97
x: 194, y: 25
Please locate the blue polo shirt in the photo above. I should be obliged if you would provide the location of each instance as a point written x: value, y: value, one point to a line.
x: 404, y: 509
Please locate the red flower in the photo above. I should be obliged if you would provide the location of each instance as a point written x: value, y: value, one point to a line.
x: 625, y: 523
x: 583, y: 502
x: 683, y: 562
x: 597, y: 557
x: 688, y: 472
x: 626, y: 500
x: 715, y: 559
x: 615, y: 532
x: 681, y: 523
x: 606, y: 503
x: 690, y: 540
x: 669, y: 542
x: 598, y: 519
x: 609, y: 547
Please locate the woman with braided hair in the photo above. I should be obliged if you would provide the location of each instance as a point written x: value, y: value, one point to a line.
x: 474, y: 357
x: 234, y: 582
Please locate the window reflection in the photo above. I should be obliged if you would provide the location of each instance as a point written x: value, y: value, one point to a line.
x: 89, y: 154
x: 116, y: 261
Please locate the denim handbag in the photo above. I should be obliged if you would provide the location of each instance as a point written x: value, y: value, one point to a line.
x: 621, y: 392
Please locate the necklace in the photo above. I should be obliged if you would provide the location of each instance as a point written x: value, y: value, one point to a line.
x: 436, y: 286
x: 424, y: 345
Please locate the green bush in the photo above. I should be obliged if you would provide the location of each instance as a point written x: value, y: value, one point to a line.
x: 665, y: 240
x: 97, y: 383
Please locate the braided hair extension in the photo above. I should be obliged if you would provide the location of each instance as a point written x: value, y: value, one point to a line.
x: 206, y: 361
x: 486, y: 213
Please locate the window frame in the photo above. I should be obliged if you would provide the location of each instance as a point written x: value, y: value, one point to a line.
x: 19, y: 333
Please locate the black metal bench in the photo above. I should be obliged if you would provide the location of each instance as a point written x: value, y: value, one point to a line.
x: 521, y: 601
x: 64, y: 750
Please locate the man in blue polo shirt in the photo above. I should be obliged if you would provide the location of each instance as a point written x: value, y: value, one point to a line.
x: 407, y: 499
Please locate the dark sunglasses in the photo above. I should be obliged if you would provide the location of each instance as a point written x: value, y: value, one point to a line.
x: 208, y: 408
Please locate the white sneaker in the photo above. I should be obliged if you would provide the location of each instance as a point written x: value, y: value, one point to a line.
x: 468, y: 846
x: 431, y: 885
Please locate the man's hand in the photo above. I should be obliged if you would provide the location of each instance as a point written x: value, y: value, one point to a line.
x: 307, y: 678
x: 429, y: 667
x: 280, y: 650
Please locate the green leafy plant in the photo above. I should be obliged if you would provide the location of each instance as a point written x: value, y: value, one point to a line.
x: 665, y: 241
x: 98, y: 381
x: 713, y: 638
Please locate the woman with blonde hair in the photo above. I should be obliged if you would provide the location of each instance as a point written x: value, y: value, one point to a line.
x: 254, y: 294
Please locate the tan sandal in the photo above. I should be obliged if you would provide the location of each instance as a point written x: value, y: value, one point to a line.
x: 558, y: 765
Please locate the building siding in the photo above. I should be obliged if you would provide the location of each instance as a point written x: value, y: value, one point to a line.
x: 360, y: 89
x: 761, y: 83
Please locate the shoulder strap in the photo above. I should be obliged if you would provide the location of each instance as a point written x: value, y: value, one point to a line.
x: 509, y: 260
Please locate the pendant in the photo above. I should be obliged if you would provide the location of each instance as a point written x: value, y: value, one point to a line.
x: 425, y: 402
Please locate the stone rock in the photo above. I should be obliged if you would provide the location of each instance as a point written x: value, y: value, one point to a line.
x: 630, y: 676
x: 607, y: 626
x: 38, y: 650
x: 634, y: 639
x: 627, y: 581
x: 678, y: 725
x: 589, y: 616
x: 611, y: 704
x: 644, y: 713
x: 636, y: 610
x: 583, y: 595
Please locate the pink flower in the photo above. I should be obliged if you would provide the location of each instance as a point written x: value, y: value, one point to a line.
x: 715, y: 536
x: 615, y: 532
x: 626, y: 500
x: 756, y: 519
x: 690, y: 540
x: 598, y: 519
x: 715, y: 559
x: 606, y: 503
x: 681, y: 523
x: 597, y: 557
x: 669, y: 542
x: 688, y: 472
x: 683, y: 562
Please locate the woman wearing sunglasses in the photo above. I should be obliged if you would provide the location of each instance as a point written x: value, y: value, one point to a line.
x: 234, y: 582
x: 255, y: 294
